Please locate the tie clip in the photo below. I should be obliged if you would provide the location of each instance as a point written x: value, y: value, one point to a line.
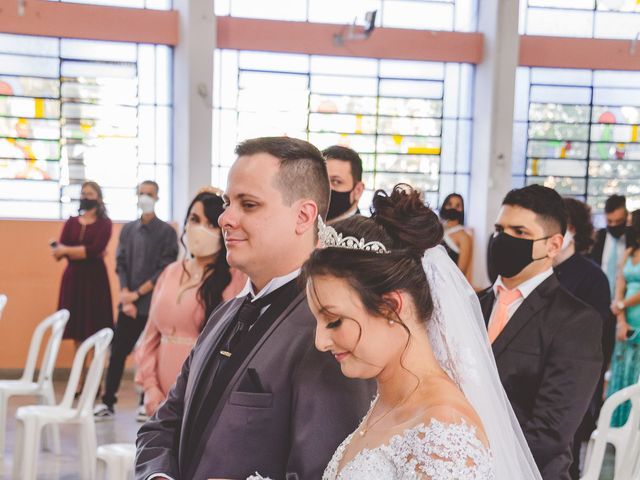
x: 225, y: 353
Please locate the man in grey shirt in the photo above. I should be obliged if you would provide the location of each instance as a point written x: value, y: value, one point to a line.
x: 146, y: 247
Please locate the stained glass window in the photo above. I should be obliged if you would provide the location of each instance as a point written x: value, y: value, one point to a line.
x: 410, y: 121
x: 580, y: 18
x: 449, y: 15
x: 73, y: 110
x: 577, y: 131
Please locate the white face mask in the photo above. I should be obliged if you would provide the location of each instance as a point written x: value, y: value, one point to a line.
x: 146, y: 203
x: 202, y: 241
x: 566, y: 241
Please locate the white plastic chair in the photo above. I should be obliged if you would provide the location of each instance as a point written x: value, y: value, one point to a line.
x: 32, y: 419
x: 116, y: 461
x: 3, y: 303
x: 625, y: 439
x: 42, y: 387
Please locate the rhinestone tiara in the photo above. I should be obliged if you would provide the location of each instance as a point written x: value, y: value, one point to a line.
x: 329, y: 237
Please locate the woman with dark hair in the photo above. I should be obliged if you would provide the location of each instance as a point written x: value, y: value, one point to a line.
x: 390, y: 305
x: 456, y: 241
x: 186, y: 294
x: 585, y: 280
x: 625, y: 363
x: 85, y: 289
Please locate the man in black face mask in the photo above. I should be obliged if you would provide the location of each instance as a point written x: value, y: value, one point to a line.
x: 546, y: 342
x: 345, y: 174
x: 611, y: 242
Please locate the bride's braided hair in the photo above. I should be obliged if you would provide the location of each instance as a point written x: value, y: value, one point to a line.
x: 407, y: 228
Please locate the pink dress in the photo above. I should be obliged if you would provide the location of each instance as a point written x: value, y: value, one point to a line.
x: 175, y: 320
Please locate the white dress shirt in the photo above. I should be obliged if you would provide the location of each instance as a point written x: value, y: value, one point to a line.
x: 273, y: 284
x: 525, y: 288
x: 610, y: 242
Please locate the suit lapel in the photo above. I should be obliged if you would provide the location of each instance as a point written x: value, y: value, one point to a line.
x: 486, y: 304
x: 211, y: 423
x: 531, y: 305
x: 207, y: 348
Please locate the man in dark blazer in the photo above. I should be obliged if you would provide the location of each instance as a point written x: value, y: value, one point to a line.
x: 611, y: 242
x: 546, y: 342
x: 255, y: 394
x: 585, y: 280
x: 344, y: 166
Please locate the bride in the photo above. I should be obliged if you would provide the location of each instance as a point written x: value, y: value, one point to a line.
x: 390, y: 305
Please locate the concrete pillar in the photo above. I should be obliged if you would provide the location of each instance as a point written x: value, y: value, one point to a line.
x: 192, y: 93
x: 493, y: 124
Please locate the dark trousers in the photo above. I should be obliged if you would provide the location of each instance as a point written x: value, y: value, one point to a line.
x: 125, y: 336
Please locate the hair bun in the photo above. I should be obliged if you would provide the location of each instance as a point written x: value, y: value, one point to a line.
x: 407, y: 220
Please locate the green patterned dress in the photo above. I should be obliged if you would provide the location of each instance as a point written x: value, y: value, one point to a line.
x: 625, y: 363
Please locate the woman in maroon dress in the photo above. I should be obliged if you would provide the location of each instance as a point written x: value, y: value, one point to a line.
x: 84, y: 290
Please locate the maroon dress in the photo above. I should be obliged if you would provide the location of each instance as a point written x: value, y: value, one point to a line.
x: 85, y: 288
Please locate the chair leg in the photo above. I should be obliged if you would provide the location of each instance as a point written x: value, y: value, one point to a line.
x: 27, y: 463
x: 88, y: 446
x: 100, y: 469
x: 51, y: 432
x: 17, y: 451
x: 3, y: 421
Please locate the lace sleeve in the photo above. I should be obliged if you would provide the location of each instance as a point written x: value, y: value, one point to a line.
x: 445, y: 450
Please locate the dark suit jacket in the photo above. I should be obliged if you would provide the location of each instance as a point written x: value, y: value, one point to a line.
x: 598, y: 247
x: 586, y: 281
x: 294, y: 423
x: 549, y: 358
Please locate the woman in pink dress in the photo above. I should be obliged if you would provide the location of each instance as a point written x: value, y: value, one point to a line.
x: 185, y: 295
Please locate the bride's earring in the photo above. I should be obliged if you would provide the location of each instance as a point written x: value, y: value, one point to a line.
x: 391, y: 322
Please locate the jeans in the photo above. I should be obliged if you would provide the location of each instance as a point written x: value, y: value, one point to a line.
x: 125, y: 336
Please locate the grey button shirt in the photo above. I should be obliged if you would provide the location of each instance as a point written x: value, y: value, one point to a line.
x: 143, y: 253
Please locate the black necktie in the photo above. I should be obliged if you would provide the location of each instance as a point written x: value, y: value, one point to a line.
x: 245, y: 318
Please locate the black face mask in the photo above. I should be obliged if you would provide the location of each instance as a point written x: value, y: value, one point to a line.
x: 339, y: 203
x: 617, y: 231
x: 87, y: 204
x: 510, y: 255
x: 452, y: 214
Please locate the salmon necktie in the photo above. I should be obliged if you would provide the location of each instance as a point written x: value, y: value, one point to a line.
x: 501, y: 317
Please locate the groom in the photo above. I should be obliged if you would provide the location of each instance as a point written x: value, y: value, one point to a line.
x: 546, y: 342
x: 255, y: 394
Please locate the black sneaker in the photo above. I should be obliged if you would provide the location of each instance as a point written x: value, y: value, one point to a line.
x: 103, y: 412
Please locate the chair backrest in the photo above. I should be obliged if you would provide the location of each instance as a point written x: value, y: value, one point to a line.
x: 53, y: 347
x: 98, y: 342
x: 629, y: 431
x: 56, y: 322
x: 626, y: 465
x: 3, y: 303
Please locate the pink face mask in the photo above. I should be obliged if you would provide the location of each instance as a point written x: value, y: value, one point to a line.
x: 202, y: 241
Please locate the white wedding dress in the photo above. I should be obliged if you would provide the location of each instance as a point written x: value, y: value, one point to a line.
x: 438, y: 451
x: 451, y: 450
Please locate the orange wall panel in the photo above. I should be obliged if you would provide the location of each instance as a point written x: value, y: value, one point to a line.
x: 30, y: 277
x: 92, y: 22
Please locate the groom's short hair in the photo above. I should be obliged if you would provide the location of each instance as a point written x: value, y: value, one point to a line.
x: 303, y: 171
x: 545, y: 202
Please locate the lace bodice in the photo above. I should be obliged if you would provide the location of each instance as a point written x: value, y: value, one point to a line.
x: 438, y: 451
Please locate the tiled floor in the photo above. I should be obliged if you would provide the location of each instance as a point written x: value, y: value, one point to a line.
x: 121, y: 429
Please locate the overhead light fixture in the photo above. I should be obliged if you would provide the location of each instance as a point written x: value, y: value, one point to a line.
x: 353, y: 32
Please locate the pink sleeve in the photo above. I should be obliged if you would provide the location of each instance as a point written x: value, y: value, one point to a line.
x: 237, y: 283
x: 147, y: 352
x: 147, y: 357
